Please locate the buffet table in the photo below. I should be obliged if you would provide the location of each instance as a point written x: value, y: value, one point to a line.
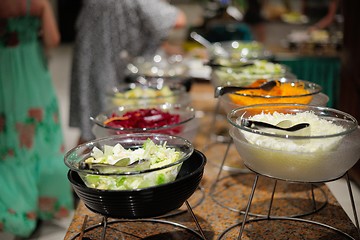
x: 219, y: 210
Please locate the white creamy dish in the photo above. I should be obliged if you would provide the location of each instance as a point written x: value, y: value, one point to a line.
x: 324, y: 150
x: 318, y: 127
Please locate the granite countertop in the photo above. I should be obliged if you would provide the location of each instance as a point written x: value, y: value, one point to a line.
x: 218, y: 210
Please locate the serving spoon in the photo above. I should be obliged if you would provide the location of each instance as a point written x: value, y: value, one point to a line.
x: 283, y: 125
x: 216, y: 49
x: 120, y: 166
x: 238, y: 65
x: 220, y: 90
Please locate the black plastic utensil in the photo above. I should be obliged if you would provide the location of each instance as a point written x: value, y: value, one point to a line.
x: 123, y: 166
x: 258, y: 124
x: 231, y: 65
x: 221, y: 90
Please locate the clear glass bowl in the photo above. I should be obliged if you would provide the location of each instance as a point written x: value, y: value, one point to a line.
x: 149, y: 93
x: 159, y: 65
x: 130, y: 179
x: 240, y: 50
x: 314, y: 96
x: 186, y: 127
x: 323, y: 152
x: 242, y: 76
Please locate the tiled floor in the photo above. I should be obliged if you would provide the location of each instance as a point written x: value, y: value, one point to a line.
x: 60, y: 65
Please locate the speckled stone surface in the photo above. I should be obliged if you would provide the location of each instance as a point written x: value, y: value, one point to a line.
x: 219, y: 208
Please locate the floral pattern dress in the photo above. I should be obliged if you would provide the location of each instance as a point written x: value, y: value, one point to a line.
x: 33, y: 182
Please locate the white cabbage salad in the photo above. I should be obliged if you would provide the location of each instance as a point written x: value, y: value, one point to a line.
x: 157, y: 155
x: 318, y: 127
x: 138, y: 94
x: 260, y: 69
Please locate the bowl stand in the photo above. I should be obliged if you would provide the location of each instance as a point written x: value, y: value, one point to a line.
x: 219, y: 199
x: 268, y: 216
x: 105, y: 223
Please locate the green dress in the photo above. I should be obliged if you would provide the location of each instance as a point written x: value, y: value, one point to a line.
x: 33, y: 182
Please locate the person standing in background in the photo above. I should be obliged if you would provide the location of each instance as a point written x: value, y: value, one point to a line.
x: 104, y: 30
x: 33, y: 182
x: 254, y: 18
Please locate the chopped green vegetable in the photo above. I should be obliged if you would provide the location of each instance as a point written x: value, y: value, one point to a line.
x: 156, y: 156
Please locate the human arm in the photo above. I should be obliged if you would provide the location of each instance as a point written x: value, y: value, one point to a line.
x: 328, y: 18
x: 49, y: 30
x: 180, y: 20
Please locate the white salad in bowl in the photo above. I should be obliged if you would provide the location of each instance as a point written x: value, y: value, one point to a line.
x: 324, y: 149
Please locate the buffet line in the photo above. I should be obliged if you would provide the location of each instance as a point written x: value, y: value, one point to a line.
x: 244, y: 155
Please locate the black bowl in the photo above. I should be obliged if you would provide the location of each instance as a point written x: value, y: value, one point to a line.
x: 147, y: 202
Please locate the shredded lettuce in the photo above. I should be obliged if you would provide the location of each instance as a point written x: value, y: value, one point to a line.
x: 159, y: 155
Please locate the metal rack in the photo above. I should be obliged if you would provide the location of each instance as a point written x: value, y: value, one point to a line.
x: 268, y: 216
x: 105, y: 224
x: 315, y: 207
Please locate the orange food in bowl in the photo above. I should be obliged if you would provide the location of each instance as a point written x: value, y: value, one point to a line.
x: 283, y: 92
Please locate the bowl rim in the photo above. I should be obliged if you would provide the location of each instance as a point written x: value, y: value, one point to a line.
x: 172, y: 61
x: 127, y: 137
x: 175, y: 87
x: 260, y: 53
x: 233, y: 121
x: 312, y: 86
x: 240, y: 70
x: 126, y: 108
x: 200, y: 168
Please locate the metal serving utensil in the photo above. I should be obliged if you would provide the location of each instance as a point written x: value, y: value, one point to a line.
x: 221, y: 90
x: 213, y: 48
x: 238, y: 65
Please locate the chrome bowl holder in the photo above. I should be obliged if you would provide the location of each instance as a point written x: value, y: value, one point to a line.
x: 268, y: 216
x: 212, y: 192
x: 104, y: 224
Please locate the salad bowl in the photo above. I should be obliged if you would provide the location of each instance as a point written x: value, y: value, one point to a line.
x: 172, y: 119
x: 159, y: 65
x: 138, y: 202
x: 323, y: 151
x: 147, y: 93
x: 288, y: 90
x: 234, y: 51
x: 249, y: 71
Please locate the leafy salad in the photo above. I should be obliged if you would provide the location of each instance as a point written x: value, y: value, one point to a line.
x: 117, y: 159
x: 261, y: 69
x: 138, y: 95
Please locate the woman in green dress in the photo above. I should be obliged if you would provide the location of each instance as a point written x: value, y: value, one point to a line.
x: 33, y: 183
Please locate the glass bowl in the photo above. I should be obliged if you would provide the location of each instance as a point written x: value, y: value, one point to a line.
x: 182, y: 121
x: 234, y: 51
x: 149, y: 93
x: 244, y: 75
x: 159, y: 65
x: 143, y: 203
x: 291, y: 93
x: 322, y: 152
x: 131, y: 177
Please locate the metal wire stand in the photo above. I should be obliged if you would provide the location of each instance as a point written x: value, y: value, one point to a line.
x: 201, y: 191
x: 220, y: 137
x: 269, y: 217
x: 105, y: 224
x: 315, y: 207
